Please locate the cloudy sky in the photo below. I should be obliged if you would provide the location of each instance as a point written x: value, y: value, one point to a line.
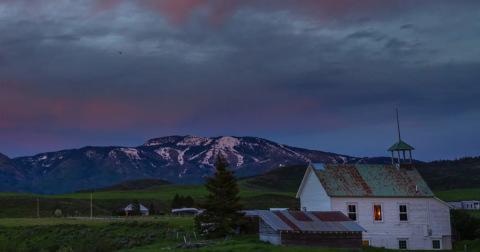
x: 318, y: 74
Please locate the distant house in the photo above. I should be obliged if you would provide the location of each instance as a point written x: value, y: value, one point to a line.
x: 185, y: 211
x: 143, y: 209
x: 471, y: 205
x: 309, y: 229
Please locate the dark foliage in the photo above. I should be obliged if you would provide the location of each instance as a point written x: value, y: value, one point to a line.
x: 459, y: 173
x: 182, y: 201
x: 139, y: 184
x: 222, y: 206
x: 151, y: 209
x: 135, y: 208
x: 189, y: 202
x: 464, y: 225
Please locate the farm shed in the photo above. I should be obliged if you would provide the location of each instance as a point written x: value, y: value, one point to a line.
x: 143, y: 209
x: 310, y: 229
x: 185, y: 211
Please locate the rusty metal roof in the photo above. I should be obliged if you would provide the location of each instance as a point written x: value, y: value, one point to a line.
x: 308, y: 221
x: 372, y: 181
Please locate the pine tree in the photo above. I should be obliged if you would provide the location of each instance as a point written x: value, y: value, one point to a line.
x: 189, y: 202
x: 135, y: 208
x: 151, y: 209
x: 222, y: 204
x: 182, y: 201
x: 176, y: 202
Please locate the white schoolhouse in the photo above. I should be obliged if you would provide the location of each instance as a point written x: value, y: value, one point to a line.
x: 391, y: 202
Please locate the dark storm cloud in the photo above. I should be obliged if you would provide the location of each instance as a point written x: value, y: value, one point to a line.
x: 253, y: 67
x: 407, y: 26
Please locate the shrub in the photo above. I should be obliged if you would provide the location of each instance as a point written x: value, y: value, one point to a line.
x: 58, y: 213
x: 464, y: 225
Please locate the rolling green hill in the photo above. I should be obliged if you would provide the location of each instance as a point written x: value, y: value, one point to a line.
x: 139, y: 184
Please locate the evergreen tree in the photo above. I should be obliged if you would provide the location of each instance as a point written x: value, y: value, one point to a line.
x: 182, y: 201
x: 222, y: 204
x: 151, y: 209
x: 135, y: 208
x: 189, y: 202
x: 176, y: 202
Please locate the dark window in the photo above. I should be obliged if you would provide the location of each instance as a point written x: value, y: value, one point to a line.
x: 403, y: 213
x: 436, y: 244
x: 352, y: 212
x: 402, y: 244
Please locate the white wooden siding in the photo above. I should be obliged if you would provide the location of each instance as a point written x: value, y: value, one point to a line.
x: 314, y: 197
x: 426, y: 213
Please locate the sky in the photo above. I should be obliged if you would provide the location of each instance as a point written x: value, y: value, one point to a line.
x: 317, y: 74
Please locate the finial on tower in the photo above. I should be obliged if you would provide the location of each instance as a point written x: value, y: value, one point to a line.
x: 398, y: 125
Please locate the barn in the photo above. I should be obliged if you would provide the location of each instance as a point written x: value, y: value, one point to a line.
x: 310, y: 229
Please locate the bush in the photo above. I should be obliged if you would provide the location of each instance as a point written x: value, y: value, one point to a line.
x: 58, y: 213
x: 464, y: 225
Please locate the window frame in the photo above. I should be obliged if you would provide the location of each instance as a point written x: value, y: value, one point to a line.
x: 381, y: 212
x: 439, y: 242
x: 304, y: 209
x: 406, y: 243
x: 406, y: 213
x: 356, y: 210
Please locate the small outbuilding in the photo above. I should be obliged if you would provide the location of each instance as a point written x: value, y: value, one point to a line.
x: 185, y: 211
x: 309, y: 229
x: 143, y: 209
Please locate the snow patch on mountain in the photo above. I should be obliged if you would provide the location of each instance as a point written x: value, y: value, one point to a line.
x: 42, y: 158
x: 227, y: 143
x: 182, y: 173
x: 333, y: 159
x: 296, y: 154
x: 343, y: 158
x: 193, y: 141
x: 131, y: 153
x: 163, y: 152
x: 92, y: 154
x: 196, y: 156
x: 160, y: 141
x: 180, y: 155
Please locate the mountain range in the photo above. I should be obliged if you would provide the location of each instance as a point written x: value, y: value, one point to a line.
x: 178, y: 159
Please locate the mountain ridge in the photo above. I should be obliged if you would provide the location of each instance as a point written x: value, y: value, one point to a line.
x: 179, y: 159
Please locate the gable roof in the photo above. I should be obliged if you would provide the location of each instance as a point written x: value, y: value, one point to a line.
x: 361, y: 180
x: 309, y: 221
x: 400, y: 145
x: 129, y: 208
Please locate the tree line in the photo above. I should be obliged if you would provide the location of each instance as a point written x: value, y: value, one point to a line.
x: 182, y: 201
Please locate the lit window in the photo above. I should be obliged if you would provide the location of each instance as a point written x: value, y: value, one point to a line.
x: 377, y: 211
x: 403, y: 213
x: 366, y: 243
x: 352, y: 212
x: 402, y: 244
x: 436, y: 244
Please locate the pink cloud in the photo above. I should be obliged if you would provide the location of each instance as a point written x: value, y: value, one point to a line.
x: 25, y: 108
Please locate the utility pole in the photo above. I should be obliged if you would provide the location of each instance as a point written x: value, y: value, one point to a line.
x: 91, y: 206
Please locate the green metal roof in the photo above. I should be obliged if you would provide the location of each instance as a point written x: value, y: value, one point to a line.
x: 355, y: 180
x: 401, y: 145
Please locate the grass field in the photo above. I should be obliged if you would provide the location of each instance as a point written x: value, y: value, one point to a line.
x: 459, y: 194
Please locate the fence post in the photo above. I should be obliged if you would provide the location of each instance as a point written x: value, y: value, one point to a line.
x: 465, y: 247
